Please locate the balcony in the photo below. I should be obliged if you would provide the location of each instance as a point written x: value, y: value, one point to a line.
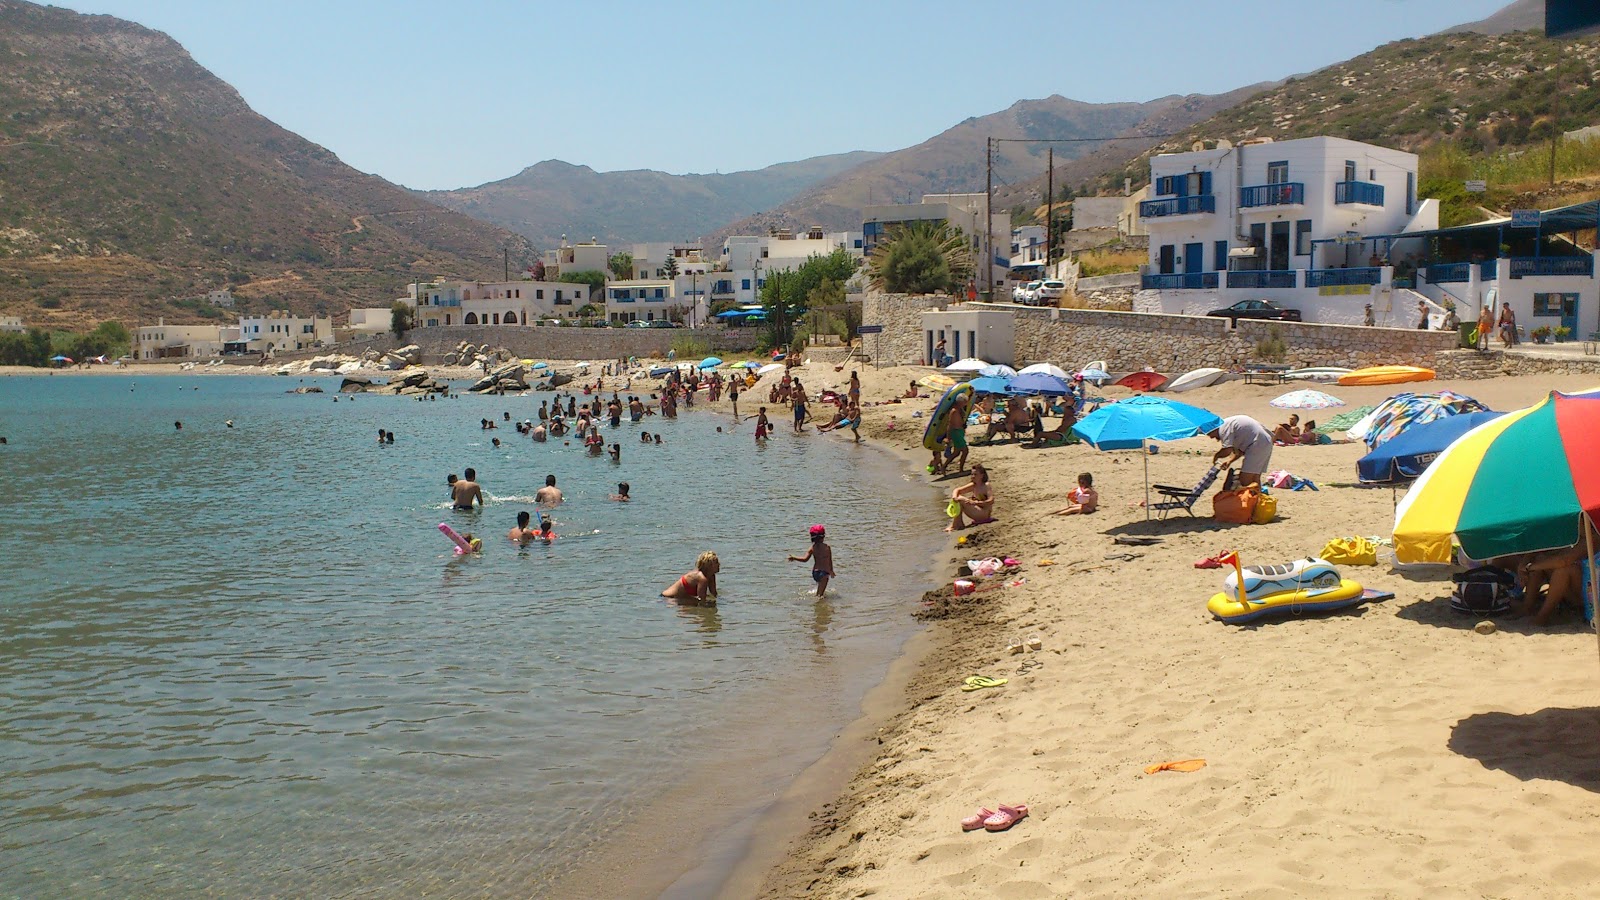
x: 1177, y: 206
x: 1290, y: 193
x: 1524, y: 266
x: 1364, y: 192
x: 1262, y: 279
x: 1449, y: 273
x: 1365, y: 275
x: 1180, y: 281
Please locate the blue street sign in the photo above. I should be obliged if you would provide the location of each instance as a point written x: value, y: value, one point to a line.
x: 869, y: 329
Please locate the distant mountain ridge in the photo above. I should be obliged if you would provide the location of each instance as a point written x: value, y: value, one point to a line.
x: 132, y: 180
x: 1523, y: 15
x: 554, y: 198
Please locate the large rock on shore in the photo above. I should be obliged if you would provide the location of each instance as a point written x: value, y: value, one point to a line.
x: 509, y: 377
x: 355, y: 385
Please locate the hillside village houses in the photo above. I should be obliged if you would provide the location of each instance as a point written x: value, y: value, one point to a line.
x: 163, y: 341
x: 12, y: 324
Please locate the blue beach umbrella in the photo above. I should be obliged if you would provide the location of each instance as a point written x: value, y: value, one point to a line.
x: 710, y: 362
x: 1040, y: 383
x: 1128, y: 424
x: 1402, y: 459
x: 990, y: 384
x: 1098, y: 376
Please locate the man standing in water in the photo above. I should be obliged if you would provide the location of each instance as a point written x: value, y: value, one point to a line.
x: 523, y: 533
x: 549, y: 495
x: 466, y: 490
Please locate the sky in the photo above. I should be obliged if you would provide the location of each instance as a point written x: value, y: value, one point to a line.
x: 434, y: 94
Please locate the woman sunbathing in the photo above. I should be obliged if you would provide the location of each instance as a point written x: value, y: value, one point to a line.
x: 974, y: 499
x: 1308, y: 435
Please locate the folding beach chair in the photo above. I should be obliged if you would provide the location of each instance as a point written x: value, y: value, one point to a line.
x: 1181, y: 497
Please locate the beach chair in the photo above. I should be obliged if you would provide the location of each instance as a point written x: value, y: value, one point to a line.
x: 1181, y: 497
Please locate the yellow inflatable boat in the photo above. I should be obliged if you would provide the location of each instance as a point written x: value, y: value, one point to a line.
x: 1311, y: 598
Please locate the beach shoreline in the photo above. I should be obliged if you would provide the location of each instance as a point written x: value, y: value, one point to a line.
x: 1379, y: 694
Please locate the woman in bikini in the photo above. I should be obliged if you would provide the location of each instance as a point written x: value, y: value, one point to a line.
x: 697, y: 587
x: 975, y: 499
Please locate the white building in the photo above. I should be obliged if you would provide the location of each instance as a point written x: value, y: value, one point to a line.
x: 163, y: 341
x: 370, y: 320
x: 969, y: 331
x: 1280, y: 221
x: 643, y: 299
x: 12, y: 324
x: 1120, y: 213
x: 1027, y: 245
x: 589, y: 256
x: 221, y: 297
x: 280, y: 331
x: 515, y: 303
x: 963, y: 211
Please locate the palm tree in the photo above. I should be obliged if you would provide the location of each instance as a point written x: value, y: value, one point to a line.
x: 925, y: 257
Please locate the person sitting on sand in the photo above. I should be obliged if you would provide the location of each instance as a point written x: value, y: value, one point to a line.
x: 1287, y: 432
x: 975, y: 501
x: 911, y: 392
x: 1308, y: 434
x: 1561, y: 574
x: 697, y: 587
x: 1084, y: 499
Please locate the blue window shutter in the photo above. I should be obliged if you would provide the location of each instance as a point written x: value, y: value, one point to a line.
x: 1205, y: 183
x: 1180, y: 185
x: 1221, y: 256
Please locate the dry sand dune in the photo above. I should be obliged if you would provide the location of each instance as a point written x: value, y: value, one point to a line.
x: 1387, y: 750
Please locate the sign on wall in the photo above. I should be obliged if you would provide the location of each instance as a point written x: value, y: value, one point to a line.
x: 1524, y: 218
x: 1477, y: 187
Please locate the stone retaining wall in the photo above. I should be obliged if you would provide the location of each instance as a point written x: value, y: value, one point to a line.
x: 555, y: 342
x: 900, y: 344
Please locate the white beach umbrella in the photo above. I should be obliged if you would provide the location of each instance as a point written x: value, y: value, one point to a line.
x: 1046, y: 369
x: 998, y: 370
x: 970, y: 364
x: 768, y: 369
x: 1306, y: 399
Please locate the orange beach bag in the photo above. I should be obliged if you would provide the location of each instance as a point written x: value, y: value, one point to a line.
x: 1235, y: 507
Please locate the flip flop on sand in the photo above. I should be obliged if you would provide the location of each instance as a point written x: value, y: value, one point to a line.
x: 1006, y: 817
x: 1211, y: 562
x: 978, y: 682
x: 975, y: 821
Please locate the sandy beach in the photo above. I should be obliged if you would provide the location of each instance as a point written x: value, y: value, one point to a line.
x: 1385, y: 750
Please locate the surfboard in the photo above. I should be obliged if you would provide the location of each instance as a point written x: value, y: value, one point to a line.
x: 933, y: 435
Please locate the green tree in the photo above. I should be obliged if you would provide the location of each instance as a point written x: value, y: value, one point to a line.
x: 672, y: 267
x: 921, y: 258
x: 595, y: 279
x: 795, y: 289
x: 400, y: 319
x: 621, y: 265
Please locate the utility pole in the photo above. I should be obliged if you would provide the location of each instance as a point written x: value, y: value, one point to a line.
x: 988, y: 218
x: 694, y: 296
x: 506, y: 257
x: 1555, y: 124
x: 1049, y: 207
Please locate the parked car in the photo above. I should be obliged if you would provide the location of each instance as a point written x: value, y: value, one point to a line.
x: 1026, y: 293
x: 637, y: 323
x: 1256, y: 309
x: 664, y: 323
x: 1050, y: 292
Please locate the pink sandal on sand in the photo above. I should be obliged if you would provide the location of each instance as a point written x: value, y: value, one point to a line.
x: 974, y: 822
x: 1006, y: 817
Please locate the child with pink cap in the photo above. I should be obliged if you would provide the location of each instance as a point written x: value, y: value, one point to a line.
x: 821, y: 558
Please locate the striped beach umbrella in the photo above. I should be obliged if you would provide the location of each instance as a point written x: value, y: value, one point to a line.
x: 1518, y: 484
x: 1306, y: 399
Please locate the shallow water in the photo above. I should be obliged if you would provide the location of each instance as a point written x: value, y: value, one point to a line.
x: 243, y: 661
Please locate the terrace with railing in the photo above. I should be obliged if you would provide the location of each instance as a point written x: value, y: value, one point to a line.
x: 1177, y: 206
x: 1338, y: 277
x: 1180, y: 281
x: 1285, y: 194
x: 1262, y: 279
x: 1364, y: 192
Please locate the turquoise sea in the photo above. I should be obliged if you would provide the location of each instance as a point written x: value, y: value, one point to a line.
x: 244, y: 662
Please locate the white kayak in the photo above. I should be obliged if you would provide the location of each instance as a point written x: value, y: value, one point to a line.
x: 1199, y: 378
x: 1323, y: 374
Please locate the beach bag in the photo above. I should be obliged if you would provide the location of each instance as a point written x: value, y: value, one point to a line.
x: 1350, y: 551
x: 1484, y: 591
x: 1266, y: 509
x: 1235, y: 507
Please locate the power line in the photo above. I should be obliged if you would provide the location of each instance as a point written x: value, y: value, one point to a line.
x: 1082, y: 140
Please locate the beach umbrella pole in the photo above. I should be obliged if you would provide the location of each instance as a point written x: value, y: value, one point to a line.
x: 1594, y: 577
x: 1144, y: 450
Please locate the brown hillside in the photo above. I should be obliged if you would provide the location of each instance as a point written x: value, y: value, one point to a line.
x: 132, y: 179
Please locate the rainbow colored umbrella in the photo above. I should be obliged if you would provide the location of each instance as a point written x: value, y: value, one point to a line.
x: 1519, y: 484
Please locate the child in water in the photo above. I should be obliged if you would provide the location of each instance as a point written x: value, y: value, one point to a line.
x: 1084, y: 498
x: 763, y: 425
x: 821, y: 558
x: 621, y: 496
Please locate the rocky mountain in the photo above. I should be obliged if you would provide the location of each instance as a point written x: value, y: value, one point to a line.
x: 553, y: 198
x: 1523, y: 15
x: 132, y: 180
x: 953, y: 161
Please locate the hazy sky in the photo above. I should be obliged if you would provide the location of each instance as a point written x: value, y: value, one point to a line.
x: 452, y: 93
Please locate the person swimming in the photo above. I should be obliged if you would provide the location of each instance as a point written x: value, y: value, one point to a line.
x: 523, y: 533
x: 621, y: 496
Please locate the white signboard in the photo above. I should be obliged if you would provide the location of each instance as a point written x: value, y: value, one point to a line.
x: 1477, y: 187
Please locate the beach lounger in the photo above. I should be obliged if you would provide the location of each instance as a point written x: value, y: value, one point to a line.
x: 1181, y: 497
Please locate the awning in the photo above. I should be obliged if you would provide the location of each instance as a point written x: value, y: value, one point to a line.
x: 1562, y: 220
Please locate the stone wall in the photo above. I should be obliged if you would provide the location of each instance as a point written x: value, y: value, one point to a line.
x: 1473, y: 364
x: 554, y: 342
x: 900, y: 344
x: 1176, y: 344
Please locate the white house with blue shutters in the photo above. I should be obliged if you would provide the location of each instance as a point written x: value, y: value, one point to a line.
x: 1281, y: 221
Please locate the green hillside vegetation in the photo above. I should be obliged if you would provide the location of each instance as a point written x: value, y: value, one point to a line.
x: 131, y: 178
x: 1473, y: 106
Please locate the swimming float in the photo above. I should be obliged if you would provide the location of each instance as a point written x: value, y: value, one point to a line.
x: 1386, y: 375
x: 938, y: 424
x: 1143, y: 381
x: 463, y: 547
x: 1305, y: 585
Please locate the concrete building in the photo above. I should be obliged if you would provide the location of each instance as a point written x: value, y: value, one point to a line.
x: 163, y: 341
x: 221, y: 297
x: 1280, y: 221
x: 1027, y: 245
x: 968, y: 331
x: 642, y: 299
x: 279, y: 330
x: 12, y: 324
x: 493, y: 302
x: 963, y: 211
x: 1120, y: 214
x: 590, y: 256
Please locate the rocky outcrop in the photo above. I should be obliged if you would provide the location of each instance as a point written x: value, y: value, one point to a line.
x: 509, y: 377
x: 411, y: 383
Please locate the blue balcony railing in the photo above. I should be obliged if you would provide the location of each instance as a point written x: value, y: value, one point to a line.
x: 1523, y: 266
x: 1358, y: 192
x: 1257, y: 279
x: 1449, y: 273
x: 1489, y: 269
x: 1177, y: 206
x: 1180, y: 281
x: 1333, y: 277
x: 1272, y: 194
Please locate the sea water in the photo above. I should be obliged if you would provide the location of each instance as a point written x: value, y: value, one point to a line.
x: 243, y: 661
